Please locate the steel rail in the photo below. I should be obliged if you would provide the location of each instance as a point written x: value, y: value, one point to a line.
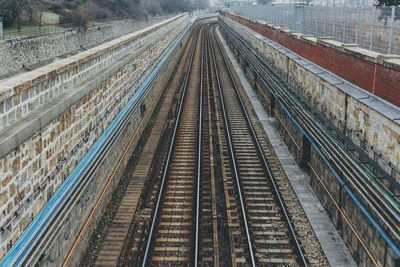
x: 322, y: 139
x: 92, y: 165
x: 266, y: 165
x: 342, y: 152
x: 334, y: 148
x: 359, y: 184
x: 53, y: 213
x: 232, y: 153
x: 169, y: 157
x: 317, y: 143
x: 200, y: 143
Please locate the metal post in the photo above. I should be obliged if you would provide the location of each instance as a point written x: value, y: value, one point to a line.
x: 358, y: 24
x: 344, y: 25
x: 279, y: 16
x: 317, y: 16
x: 293, y: 20
x: 306, y: 26
x: 285, y: 17
x: 334, y: 24
x: 299, y: 14
x: 391, y: 30
x: 273, y: 15
x: 325, y: 19
x: 371, y: 44
x: 302, y: 12
x: 277, y: 10
x: 265, y: 13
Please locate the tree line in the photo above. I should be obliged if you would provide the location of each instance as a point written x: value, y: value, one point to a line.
x: 82, y: 11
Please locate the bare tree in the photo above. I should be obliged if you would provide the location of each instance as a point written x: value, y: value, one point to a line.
x: 13, y: 9
x: 264, y: 2
x: 386, y: 11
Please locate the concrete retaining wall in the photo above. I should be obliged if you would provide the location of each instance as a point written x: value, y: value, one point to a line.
x: 29, y: 50
x: 326, y: 92
x: 65, y: 108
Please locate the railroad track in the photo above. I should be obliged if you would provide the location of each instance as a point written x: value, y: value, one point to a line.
x: 214, y: 199
x: 258, y: 214
x: 185, y: 225
x: 173, y: 235
x: 365, y: 183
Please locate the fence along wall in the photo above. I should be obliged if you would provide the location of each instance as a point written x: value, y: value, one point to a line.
x: 26, y: 51
x: 346, y: 107
x: 374, y: 72
x: 373, y: 28
x: 371, y: 123
x: 81, y: 96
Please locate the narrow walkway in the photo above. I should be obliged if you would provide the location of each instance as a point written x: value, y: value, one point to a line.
x: 111, y: 249
x: 332, y: 244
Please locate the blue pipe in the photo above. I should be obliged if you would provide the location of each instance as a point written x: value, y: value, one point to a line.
x: 342, y: 183
x: 17, y: 254
x: 337, y: 176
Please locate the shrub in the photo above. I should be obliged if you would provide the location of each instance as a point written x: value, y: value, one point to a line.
x: 96, y: 11
x: 78, y: 16
x: 55, y: 7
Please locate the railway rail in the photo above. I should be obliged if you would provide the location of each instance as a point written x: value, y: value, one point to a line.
x: 258, y: 195
x: 376, y: 201
x: 214, y: 199
x: 39, y: 236
x: 214, y: 196
x: 170, y: 237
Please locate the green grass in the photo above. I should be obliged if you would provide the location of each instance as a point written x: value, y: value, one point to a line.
x: 49, y: 19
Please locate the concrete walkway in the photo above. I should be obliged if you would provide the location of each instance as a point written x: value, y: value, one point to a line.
x: 332, y: 244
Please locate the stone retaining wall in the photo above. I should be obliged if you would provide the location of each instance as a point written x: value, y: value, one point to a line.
x: 110, y: 172
x: 76, y: 99
x: 29, y: 50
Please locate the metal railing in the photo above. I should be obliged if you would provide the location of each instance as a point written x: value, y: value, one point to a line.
x: 32, y: 31
x: 25, y: 31
x: 373, y: 28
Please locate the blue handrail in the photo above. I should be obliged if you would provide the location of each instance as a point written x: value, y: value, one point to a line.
x: 363, y: 209
x: 18, y: 253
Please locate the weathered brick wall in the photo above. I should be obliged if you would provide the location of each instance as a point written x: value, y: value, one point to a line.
x: 376, y: 73
x: 26, y: 51
x: 81, y: 96
x: 371, y: 129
